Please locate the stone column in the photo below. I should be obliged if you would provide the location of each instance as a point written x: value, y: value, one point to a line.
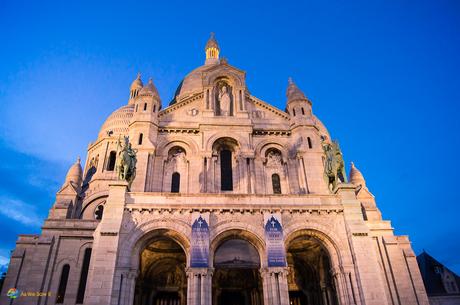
x: 199, y: 286
x: 275, y: 286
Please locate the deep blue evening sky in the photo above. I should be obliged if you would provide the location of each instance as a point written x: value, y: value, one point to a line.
x: 384, y: 77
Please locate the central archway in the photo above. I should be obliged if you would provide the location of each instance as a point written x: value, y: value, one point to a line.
x: 309, y: 279
x: 236, y: 279
x: 162, y: 279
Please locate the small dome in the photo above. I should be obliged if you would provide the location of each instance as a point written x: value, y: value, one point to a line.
x: 149, y: 90
x: 294, y: 93
x: 75, y: 173
x: 356, y: 177
x: 212, y: 43
x: 118, y: 122
x: 137, y: 83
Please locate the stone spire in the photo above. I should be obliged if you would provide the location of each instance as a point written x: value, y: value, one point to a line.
x: 212, y: 50
x: 293, y: 93
x: 136, y: 86
x: 356, y: 177
x: 75, y: 174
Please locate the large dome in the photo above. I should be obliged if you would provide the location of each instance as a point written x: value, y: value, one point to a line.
x: 118, y: 122
x: 191, y: 83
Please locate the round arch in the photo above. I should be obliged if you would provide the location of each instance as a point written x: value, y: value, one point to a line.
x: 229, y: 231
x: 221, y: 136
x: 325, y: 237
x: 190, y: 147
x: 262, y: 148
x: 139, y: 237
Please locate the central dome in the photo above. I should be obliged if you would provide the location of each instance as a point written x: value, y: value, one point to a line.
x: 192, y: 83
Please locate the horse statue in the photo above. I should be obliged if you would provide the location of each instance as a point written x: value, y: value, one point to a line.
x: 126, y: 161
x: 334, y: 167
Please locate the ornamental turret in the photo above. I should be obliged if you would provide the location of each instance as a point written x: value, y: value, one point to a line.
x: 212, y: 51
x: 298, y: 105
x: 135, y: 88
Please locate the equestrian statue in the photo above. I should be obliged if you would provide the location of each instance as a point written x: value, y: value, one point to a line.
x: 334, y: 167
x: 126, y: 161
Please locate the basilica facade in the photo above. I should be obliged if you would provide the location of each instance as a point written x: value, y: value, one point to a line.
x: 218, y: 199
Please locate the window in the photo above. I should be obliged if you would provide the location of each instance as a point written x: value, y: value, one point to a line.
x: 99, y: 212
x: 111, y: 161
x: 293, y: 111
x: 137, y: 106
x: 276, y: 184
x: 83, y: 276
x: 154, y: 108
x: 145, y: 106
x: 303, y: 111
x: 175, y: 182
x: 309, y: 142
x: 226, y: 176
x: 62, y: 284
x: 140, y: 138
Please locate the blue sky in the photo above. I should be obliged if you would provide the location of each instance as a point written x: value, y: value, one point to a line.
x: 383, y: 77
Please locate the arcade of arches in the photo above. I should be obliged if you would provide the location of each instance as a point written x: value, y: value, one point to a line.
x: 236, y: 277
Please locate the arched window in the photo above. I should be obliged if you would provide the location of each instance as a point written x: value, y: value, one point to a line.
x: 99, y: 212
x: 111, y: 161
x: 83, y: 276
x: 140, y: 139
x: 175, y: 182
x: 62, y: 284
x: 303, y: 111
x: 226, y: 175
x: 145, y: 106
x: 309, y: 142
x: 276, y: 184
x: 154, y: 108
x: 293, y: 111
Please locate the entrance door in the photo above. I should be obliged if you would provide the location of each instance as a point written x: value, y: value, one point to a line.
x: 166, y: 298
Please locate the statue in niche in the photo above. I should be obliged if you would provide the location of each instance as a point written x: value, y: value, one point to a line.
x: 225, y: 100
x: 274, y: 158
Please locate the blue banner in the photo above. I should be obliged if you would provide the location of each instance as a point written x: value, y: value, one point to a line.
x: 200, y: 242
x: 276, y: 254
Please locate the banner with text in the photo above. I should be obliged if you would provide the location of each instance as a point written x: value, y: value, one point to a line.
x: 276, y: 254
x: 200, y: 240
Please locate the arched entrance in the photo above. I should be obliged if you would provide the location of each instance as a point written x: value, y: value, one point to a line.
x: 162, y: 279
x: 236, y: 279
x: 309, y: 279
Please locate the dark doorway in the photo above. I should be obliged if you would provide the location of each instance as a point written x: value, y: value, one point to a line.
x: 166, y: 298
x: 236, y: 280
x: 229, y: 297
x: 175, y: 183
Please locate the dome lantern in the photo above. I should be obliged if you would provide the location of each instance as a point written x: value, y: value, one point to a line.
x: 212, y: 50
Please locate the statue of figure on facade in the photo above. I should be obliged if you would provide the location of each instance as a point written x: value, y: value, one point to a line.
x: 126, y: 161
x: 334, y: 167
x: 224, y: 101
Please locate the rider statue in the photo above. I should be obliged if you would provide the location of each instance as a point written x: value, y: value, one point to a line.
x: 126, y: 161
x: 334, y: 167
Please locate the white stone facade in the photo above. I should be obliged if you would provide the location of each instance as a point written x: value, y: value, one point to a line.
x: 361, y: 262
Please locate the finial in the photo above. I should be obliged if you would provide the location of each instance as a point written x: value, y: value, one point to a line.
x: 138, y: 75
x: 150, y: 80
x: 352, y: 164
x: 290, y: 80
x: 78, y: 160
x: 212, y: 35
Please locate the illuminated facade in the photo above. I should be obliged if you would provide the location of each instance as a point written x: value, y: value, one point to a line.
x: 234, y: 202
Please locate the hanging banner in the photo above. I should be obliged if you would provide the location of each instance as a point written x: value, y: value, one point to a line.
x: 276, y: 254
x: 200, y: 240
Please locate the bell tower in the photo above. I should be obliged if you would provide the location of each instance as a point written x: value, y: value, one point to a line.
x: 212, y: 51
